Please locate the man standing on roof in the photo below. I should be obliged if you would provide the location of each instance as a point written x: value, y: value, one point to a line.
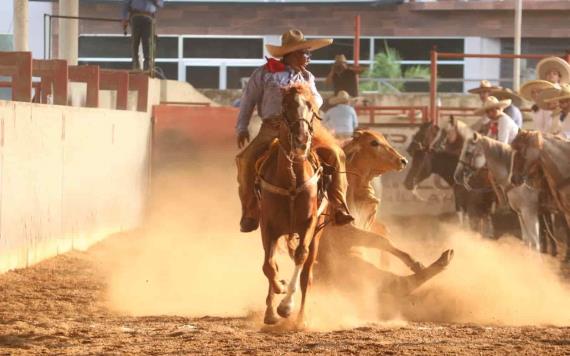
x: 141, y: 15
x: 263, y: 91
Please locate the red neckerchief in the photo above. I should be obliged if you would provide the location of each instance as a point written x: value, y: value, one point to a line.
x: 274, y: 66
x: 494, y: 128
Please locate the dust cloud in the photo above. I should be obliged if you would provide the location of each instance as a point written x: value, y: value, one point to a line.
x: 190, y: 259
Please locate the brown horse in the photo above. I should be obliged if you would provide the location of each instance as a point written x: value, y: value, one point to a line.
x: 543, y: 158
x: 289, y: 201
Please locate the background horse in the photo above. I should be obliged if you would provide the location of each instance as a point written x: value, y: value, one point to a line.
x: 544, y: 157
x: 436, y: 151
x: 288, y: 200
x: 479, y: 152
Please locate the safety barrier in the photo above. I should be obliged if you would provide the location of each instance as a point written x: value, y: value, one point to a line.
x: 411, y: 112
x: 55, y: 76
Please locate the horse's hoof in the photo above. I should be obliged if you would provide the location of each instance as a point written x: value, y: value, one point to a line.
x: 417, y: 267
x: 445, y: 258
x: 270, y: 318
x: 301, y: 324
x: 284, y: 310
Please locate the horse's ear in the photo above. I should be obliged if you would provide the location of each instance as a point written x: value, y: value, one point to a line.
x: 357, y: 134
x: 475, y: 136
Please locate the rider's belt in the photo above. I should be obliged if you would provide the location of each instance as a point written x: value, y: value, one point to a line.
x: 272, y: 121
x: 141, y: 13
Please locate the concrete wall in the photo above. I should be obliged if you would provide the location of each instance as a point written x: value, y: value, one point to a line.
x: 68, y: 177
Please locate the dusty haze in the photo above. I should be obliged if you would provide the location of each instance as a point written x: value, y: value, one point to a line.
x: 191, y: 260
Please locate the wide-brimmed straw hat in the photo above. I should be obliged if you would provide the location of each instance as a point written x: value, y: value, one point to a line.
x: 553, y: 63
x: 493, y: 103
x: 563, y: 93
x: 527, y: 88
x: 543, y: 100
x: 342, y: 97
x: 506, y: 93
x: 485, y: 85
x: 294, y: 40
x: 340, y: 58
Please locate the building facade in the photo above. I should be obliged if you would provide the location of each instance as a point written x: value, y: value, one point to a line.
x: 213, y: 44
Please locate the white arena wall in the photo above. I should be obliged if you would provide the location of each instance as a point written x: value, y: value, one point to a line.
x: 69, y: 177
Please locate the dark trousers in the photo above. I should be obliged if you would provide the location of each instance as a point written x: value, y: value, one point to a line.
x: 141, y: 27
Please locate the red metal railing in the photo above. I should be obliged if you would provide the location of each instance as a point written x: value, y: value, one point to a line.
x: 435, y: 55
x: 410, y: 112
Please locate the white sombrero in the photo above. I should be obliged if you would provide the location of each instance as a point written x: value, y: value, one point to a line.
x: 553, y: 63
x: 506, y: 93
x: 562, y: 94
x: 485, y: 85
x: 527, y: 88
x: 493, y: 103
x: 543, y: 101
x: 342, y: 97
x: 294, y: 40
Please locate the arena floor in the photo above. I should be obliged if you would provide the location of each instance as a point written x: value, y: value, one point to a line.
x: 59, y: 306
x: 188, y: 283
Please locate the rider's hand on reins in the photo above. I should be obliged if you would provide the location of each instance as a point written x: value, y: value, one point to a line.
x: 242, y: 139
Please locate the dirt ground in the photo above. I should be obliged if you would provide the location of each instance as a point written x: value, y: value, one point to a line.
x: 189, y: 284
x: 58, y: 307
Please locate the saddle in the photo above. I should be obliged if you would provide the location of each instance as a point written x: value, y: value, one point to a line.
x: 324, y: 172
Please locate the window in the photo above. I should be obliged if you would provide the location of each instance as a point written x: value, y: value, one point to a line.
x: 342, y: 46
x: 234, y: 75
x: 223, y: 48
x: 203, y: 77
x: 120, y: 47
x: 419, y: 49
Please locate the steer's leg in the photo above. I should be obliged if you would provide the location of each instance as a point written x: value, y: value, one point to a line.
x: 402, y: 286
x: 353, y: 236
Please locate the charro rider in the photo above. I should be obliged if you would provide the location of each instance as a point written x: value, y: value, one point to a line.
x: 501, y: 126
x: 264, y: 91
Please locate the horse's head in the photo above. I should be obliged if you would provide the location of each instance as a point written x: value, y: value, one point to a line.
x: 299, y: 111
x: 456, y: 131
x: 428, y: 139
x: 527, y: 146
x: 471, y: 160
x: 371, y: 151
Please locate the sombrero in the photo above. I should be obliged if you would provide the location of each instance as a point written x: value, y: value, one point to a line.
x: 563, y: 93
x: 543, y: 99
x: 340, y: 58
x: 294, y: 40
x: 553, y: 63
x: 506, y: 93
x: 341, y: 97
x: 485, y: 85
x: 527, y: 88
x: 492, y: 103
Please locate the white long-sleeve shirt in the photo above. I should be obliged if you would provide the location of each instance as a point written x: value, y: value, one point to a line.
x: 542, y: 120
x: 507, y: 130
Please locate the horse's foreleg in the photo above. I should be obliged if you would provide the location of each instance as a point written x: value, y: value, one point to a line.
x: 301, y: 253
x: 354, y: 236
x: 270, y: 270
x: 307, y: 276
x: 530, y: 228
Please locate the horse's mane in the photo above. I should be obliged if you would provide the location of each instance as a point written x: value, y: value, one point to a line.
x: 301, y: 89
x: 502, y: 150
x: 463, y: 129
x: 527, y: 137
